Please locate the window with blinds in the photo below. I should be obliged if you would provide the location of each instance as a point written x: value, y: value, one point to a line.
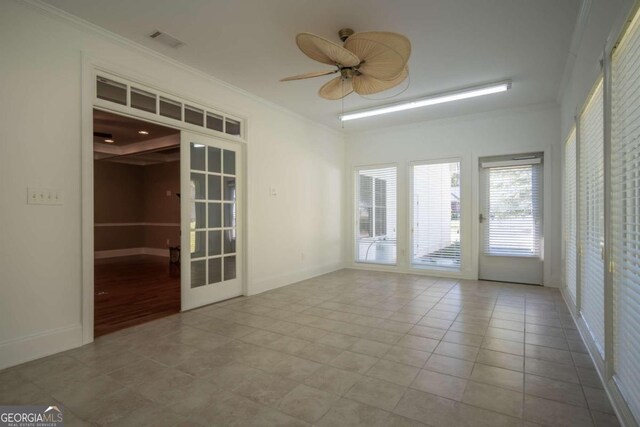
x: 570, y: 213
x: 436, y: 215
x: 514, y: 209
x: 376, y: 215
x: 625, y: 214
x: 591, y: 198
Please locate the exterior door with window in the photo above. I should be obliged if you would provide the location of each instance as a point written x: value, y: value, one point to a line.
x: 511, y: 221
x: 211, y: 229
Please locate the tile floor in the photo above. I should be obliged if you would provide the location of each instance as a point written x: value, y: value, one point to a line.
x: 349, y: 348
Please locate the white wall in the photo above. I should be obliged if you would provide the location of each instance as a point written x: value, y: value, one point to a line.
x: 528, y: 129
x: 291, y: 236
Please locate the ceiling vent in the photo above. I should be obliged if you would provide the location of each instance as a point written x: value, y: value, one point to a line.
x: 166, y: 39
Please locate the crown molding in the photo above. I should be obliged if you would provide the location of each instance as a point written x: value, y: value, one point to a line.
x: 84, y: 25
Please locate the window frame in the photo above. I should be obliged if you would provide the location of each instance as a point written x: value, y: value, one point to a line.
x: 355, y: 208
x: 570, y: 215
x: 585, y: 200
x: 129, y: 83
x: 609, y: 367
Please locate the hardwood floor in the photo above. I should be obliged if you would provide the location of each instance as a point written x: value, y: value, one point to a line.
x: 134, y: 290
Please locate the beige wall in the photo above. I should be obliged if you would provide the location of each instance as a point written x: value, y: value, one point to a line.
x: 117, y: 192
x: 124, y: 237
x: 136, y: 194
x: 160, y: 207
x: 158, y: 179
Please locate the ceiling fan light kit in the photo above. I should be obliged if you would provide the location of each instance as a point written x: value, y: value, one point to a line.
x: 368, y: 62
x: 440, y: 98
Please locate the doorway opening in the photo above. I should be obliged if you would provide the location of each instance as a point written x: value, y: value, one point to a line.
x: 136, y: 221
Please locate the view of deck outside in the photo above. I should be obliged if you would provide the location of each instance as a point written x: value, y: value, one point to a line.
x: 436, y: 215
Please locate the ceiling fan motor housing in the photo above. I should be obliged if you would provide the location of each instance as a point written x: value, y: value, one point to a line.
x: 345, y: 33
x: 348, y: 72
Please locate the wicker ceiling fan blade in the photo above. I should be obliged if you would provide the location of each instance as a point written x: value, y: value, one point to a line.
x: 309, y: 75
x: 367, y: 85
x: 384, y: 55
x: 361, y: 42
x: 336, y: 88
x: 325, y: 51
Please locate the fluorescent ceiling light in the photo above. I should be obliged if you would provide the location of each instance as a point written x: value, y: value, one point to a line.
x: 430, y: 100
x: 143, y: 132
x: 110, y: 141
x: 198, y: 145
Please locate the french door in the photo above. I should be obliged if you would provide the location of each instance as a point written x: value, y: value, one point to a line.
x: 511, y: 219
x: 212, y: 226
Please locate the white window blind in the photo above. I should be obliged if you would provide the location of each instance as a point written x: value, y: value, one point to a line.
x: 436, y: 215
x: 376, y: 215
x: 570, y: 212
x: 625, y: 214
x: 514, y: 210
x: 592, y: 216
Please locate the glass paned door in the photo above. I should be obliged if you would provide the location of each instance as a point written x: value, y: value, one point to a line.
x: 511, y: 219
x: 435, y: 215
x: 211, y: 228
x: 375, y: 239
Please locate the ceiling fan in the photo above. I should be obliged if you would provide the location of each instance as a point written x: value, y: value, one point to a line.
x: 368, y: 62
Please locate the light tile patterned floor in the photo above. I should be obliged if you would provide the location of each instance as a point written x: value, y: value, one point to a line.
x: 350, y: 348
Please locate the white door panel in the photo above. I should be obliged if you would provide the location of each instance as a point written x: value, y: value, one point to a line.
x: 511, y: 220
x: 211, y: 228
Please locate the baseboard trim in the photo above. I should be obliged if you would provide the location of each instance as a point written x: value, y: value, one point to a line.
x: 274, y: 282
x: 25, y: 349
x: 438, y: 273
x: 620, y: 406
x: 114, y: 253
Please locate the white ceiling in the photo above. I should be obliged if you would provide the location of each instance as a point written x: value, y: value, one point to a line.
x: 456, y: 43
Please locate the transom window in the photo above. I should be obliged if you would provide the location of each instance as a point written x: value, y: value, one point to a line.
x: 144, y: 99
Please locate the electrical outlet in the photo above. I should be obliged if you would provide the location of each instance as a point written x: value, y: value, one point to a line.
x: 44, y: 196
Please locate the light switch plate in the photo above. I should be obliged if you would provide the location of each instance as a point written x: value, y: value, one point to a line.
x: 44, y: 196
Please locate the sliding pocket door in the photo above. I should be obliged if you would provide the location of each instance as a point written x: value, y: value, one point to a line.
x: 211, y: 197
